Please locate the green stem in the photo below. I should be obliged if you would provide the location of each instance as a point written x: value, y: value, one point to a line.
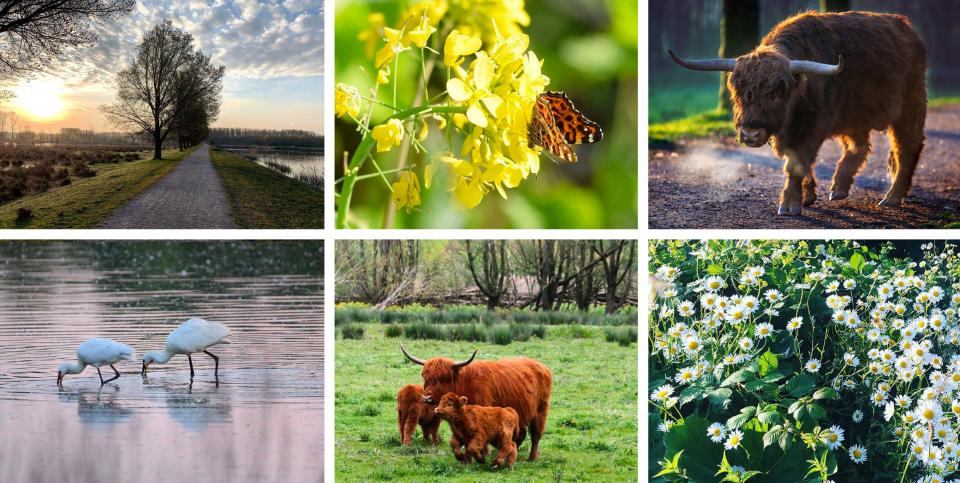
x: 363, y: 150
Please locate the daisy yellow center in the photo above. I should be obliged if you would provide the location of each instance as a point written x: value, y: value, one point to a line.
x: 856, y: 453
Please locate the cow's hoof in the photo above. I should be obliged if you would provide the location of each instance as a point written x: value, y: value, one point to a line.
x: 788, y: 210
x: 838, y: 195
x: 891, y: 202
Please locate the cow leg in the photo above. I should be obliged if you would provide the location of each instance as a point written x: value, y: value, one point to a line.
x: 536, y: 432
x: 409, y: 427
x: 458, y: 452
x: 809, y: 189
x: 797, y: 167
x: 430, y: 431
x: 906, y: 144
x: 855, y: 151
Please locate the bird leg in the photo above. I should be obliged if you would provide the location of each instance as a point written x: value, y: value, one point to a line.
x: 216, y: 362
x: 101, y: 377
x: 112, y: 378
x: 191, y: 365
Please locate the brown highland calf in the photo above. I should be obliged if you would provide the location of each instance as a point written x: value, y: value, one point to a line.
x: 520, y: 383
x: 474, y: 427
x: 412, y: 410
x: 822, y: 75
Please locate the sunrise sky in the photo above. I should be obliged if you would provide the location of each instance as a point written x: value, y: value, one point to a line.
x: 273, y: 52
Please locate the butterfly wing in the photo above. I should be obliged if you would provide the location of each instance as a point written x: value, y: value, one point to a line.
x: 573, y: 125
x: 544, y: 131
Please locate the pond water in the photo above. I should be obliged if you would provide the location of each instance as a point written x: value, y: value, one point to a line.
x: 303, y: 162
x: 263, y: 421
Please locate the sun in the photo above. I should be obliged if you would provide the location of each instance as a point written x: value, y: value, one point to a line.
x: 40, y: 99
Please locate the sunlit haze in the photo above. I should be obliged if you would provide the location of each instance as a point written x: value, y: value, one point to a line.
x: 273, y: 55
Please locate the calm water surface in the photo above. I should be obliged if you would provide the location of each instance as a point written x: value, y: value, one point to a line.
x: 263, y: 421
x: 302, y: 161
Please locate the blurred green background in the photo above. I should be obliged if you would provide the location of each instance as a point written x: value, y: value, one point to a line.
x: 589, y: 48
x: 692, y: 28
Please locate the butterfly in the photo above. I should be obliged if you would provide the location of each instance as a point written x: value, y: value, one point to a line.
x: 556, y: 124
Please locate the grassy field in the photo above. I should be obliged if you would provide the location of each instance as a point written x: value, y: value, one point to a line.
x: 262, y: 198
x: 86, y: 202
x: 591, y: 429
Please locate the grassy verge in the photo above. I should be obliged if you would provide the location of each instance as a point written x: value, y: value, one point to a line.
x: 591, y: 429
x: 86, y: 202
x: 943, y: 101
x: 262, y: 198
x: 699, y: 125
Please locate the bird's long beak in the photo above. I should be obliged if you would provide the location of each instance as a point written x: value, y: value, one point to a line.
x: 59, y: 379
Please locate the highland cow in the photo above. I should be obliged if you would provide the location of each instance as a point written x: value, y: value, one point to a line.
x: 817, y: 76
x: 519, y: 383
x: 475, y: 427
x: 412, y: 410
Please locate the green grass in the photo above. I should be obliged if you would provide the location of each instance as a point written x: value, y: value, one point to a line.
x: 680, y: 100
x: 699, y: 125
x: 86, y: 202
x: 943, y: 101
x: 591, y: 429
x: 262, y: 198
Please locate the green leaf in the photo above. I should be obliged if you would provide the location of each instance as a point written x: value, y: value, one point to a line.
x: 700, y: 455
x: 745, y: 415
x: 769, y: 417
x: 856, y: 261
x: 825, y: 393
x: 767, y: 362
x: 720, y: 397
x: 714, y: 269
x: 737, y: 377
x: 800, y: 385
x: 817, y: 411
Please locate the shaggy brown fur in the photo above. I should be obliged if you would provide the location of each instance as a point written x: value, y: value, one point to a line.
x: 881, y: 87
x: 474, y: 427
x: 521, y: 383
x: 412, y: 410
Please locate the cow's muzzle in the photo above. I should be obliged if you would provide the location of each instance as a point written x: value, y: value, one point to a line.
x: 752, y: 137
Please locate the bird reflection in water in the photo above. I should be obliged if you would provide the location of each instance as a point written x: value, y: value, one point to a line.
x: 193, y: 406
x: 97, y: 407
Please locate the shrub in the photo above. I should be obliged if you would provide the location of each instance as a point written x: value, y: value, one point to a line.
x: 394, y: 330
x: 24, y: 213
x: 467, y: 332
x: 352, y: 331
x: 424, y: 330
x: 623, y: 336
x: 500, y: 334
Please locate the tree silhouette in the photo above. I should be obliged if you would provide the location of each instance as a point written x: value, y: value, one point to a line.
x: 739, y: 34
x: 36, y: 31
x: 166, y: 79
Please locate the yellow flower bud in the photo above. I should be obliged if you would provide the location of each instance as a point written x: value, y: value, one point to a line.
x: 346, y: 100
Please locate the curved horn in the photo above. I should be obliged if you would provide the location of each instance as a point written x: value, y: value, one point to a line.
x: 463, y: 363
x: 711, y: 65
x: 810, y: 67
x: 412, y: 359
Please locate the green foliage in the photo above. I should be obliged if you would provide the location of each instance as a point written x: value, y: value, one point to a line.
x: 352, y: 331
x: 394, y: 330
x: 704, y: 124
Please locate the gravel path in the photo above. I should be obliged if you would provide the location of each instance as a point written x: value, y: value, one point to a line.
x: 191, y: 196
x: 715, y: 183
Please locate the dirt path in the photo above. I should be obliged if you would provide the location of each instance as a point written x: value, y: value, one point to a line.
x: 715, y: 183
x: 191, y: 196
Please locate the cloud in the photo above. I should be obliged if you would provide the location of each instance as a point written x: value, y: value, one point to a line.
x: 253, y: 39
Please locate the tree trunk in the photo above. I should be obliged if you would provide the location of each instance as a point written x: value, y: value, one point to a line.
x: 739, y: 34
x: 834, y: 5
x: 157, y: 147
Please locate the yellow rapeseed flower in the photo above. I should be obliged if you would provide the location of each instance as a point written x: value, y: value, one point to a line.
x: 346, y: 100
x: 406, y: 192
x: 488, y: 18
x: 458, y: 45
x: 419, y: 35
x: 395, y: 45
x: 388, y: 135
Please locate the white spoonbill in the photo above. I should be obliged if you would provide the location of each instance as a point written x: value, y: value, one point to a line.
x: 96, y: 352
x: 194, y: 335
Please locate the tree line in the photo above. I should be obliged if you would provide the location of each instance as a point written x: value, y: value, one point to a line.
x: 265, y: 137
x: 539, y: 274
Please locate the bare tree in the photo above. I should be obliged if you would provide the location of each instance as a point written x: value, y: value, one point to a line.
x: 33, y: 32
x: 586, y: 287
x: 387, y: 269
x: 13, y: 118
x: 166, y: 78
x: 616, y: 268
x: 492, y: 273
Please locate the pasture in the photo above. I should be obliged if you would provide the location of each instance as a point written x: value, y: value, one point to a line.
x: 591, y: 430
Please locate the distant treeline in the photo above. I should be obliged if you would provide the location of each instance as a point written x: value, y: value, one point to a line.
x: 265, y: 137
